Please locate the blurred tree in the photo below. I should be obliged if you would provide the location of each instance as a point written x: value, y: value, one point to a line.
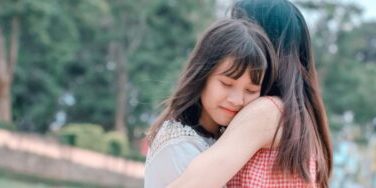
x: 345, y: 54
x: 49, y: 41
x: 76, y: 55
x: 127, y: 26
x: 87, y: 79
x: 145, y: 45
x: 359, y: 43
x: 349, y: 82
x: 173, y: 27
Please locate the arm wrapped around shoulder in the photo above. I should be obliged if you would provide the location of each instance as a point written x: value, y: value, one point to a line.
x: 251, y: 129
x: 260, y: 119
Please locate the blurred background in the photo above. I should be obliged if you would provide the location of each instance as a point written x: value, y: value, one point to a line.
x: 81, y: 81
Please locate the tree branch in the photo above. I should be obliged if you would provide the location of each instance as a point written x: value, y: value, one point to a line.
x: 138, y: 36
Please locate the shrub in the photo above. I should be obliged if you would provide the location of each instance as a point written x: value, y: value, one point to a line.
x: 8, y: 126
x: 87, y: 136
x: 93, y: 137
x: 116, y: 144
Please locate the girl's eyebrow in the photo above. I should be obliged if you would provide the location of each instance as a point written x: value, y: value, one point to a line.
x: 222, y: 73
x: 252, y: 86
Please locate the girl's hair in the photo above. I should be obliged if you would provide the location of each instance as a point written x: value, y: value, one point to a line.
x: 241, y: 40
x: 305, y: 127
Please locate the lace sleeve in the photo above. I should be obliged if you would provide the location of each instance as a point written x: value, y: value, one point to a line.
x: 171, y: 160
x: 173, y: 148
x: 169, y: 132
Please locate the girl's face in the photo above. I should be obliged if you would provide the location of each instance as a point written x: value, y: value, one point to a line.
x: 223, y: 96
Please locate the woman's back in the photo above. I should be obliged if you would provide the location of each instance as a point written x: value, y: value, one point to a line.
x: 258, y: 172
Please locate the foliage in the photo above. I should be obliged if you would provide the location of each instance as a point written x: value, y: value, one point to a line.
x: 12, y: 179
x: 87, y: 136
x: 64, y: 55
x: 7, y: 126
x: 64, y: 66
x: 345, y: 53
x: 116, y: 144
x: 93, y: 137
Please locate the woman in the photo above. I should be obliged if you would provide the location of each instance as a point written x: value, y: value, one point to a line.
x: 232, y: 65
x: 303, y: 156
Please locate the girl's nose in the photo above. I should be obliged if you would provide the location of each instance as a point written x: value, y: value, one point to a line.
x: 236, y: 98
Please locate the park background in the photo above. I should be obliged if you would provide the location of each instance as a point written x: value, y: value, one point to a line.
x: 81, y: 81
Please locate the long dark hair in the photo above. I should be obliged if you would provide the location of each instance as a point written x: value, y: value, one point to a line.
x: 304, y: 121
x: 242, y: 40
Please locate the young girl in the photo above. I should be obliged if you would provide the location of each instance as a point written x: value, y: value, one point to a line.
x: 303, y: 157
x: 232, y: 65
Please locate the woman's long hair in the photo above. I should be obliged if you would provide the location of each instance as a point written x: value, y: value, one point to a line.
x: 304, y: 121
x: 242, y: 40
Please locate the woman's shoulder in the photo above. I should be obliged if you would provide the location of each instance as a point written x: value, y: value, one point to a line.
x: 171, y: 130
x: 174, y: 132
x: 264, y: 106
x: 258, y: 121
x: 270, y: 103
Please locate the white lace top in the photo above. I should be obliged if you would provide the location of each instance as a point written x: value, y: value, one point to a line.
x: 173, y: 148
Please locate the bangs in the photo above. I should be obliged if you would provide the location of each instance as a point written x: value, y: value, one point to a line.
x: 248, y: 58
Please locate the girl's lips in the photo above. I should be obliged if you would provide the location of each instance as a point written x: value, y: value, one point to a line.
x: 232, y: 112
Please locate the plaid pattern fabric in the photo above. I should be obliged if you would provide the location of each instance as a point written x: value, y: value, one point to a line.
x: 258, y: 173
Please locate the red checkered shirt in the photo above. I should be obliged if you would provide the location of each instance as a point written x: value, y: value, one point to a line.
x: 258, y: 173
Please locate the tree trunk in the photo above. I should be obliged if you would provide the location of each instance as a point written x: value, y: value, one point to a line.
x: 5, y: 99
x: 7, y: 68
x: 121, y: 95
x: 5, y: 110
x: 13, y: 52
x: 120, y: 54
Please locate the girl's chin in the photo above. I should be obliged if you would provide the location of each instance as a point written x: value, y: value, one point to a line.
x: 223, y: 122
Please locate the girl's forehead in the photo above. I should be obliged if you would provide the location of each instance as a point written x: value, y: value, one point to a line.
x: 224, y: 65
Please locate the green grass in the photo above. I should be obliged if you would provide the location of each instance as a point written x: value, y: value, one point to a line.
x: 17, y: 180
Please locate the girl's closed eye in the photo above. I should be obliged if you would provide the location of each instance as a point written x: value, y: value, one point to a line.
x: 225, y: 81
x: 251, y: 91
x: 226, y: 84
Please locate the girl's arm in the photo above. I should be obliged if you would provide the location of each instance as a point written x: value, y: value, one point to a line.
x: 251, y: 129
